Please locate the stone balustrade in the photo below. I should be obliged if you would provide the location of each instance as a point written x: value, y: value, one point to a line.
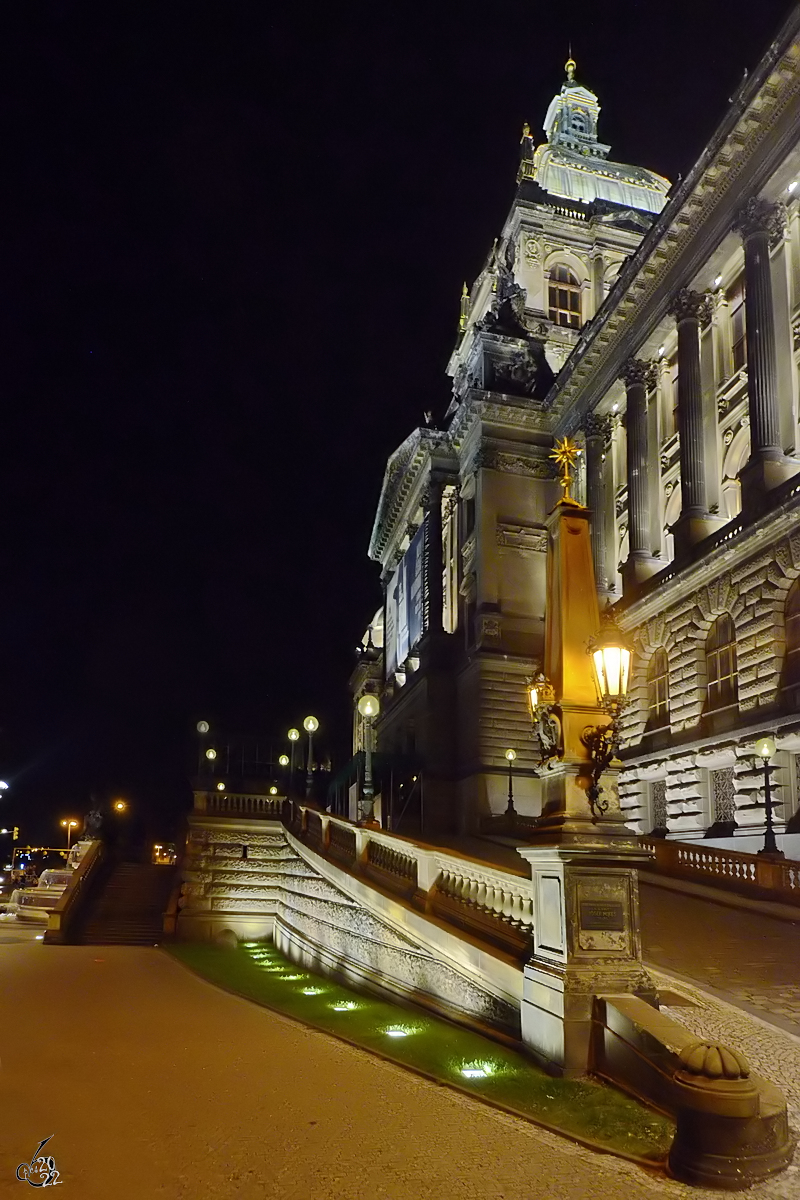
x: 235, y: 804
x: 750, y: 874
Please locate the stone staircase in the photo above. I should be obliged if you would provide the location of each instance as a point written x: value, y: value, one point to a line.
x: 128, y: 908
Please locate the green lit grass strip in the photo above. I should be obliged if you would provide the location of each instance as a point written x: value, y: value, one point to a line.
x: 590, y: 1111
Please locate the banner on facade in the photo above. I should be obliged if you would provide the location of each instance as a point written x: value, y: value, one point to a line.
x: 404, y: 622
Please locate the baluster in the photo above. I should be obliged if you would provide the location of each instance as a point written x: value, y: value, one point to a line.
x: 516, y: 911
x: 462, y: 889
x: 480, y: 896
x: 508, y: 905
x: 527, y: 912
x: 472, y: 893
x: 497, y: 906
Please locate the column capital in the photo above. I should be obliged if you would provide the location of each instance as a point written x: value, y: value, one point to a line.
x: 759, y: 216
x: 691, y: 306
x: 639, y: 371
x: 597, y: 425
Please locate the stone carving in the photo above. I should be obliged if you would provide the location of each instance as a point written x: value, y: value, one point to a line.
x: 515, y: 464
x: 527, y: 373
x: 759, y: 216
x: 639, y: 372
x: 521, y: 537
x: 597, y: 425
x: 692, y: 306
x: 713, y: 1061
x: 533, y: 251
x: 490, y: 628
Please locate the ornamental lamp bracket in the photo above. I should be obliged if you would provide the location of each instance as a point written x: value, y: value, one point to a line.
x: 546, y: 719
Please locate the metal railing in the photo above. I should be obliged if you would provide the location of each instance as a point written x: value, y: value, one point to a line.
x: 749, y: 874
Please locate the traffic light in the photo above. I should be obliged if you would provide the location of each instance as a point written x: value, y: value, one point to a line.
x: 16, y: 833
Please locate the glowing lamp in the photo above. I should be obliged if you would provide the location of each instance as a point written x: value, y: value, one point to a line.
x: 284, y: 760
x: 311, y: 724
x: 220, y: 787
x: 540, y: 692
x: 202, y: 726
x: 611, y: 658
x: 273, y: 791
x: 369, y: 706
x: 510, y: 755
x: 765, y: 748
x: 293, y: 735
x: 211, y: 753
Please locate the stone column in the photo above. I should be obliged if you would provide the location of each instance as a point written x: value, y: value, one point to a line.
x: 597, y: 429
x: 598, y: 274
x: 695, y: 522
x: 760, y: 224
x: 638, y: 375
x: 434, y: 561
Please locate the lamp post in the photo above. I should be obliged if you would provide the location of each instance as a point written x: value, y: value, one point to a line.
x: 765, y: 749
x: 202, y: 728
x: 510, y: 756
x: 369, y: 706
x: 69, y: 825
x: 311, y: 725
x: 294, y: 737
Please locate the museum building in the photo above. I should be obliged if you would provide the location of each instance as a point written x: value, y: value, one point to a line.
x: 658, y: 327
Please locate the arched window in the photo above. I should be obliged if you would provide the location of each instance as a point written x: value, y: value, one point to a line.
x: 658, y: 691
x: 564, y: 298
x: 721, y: 663
x: 791, y: 615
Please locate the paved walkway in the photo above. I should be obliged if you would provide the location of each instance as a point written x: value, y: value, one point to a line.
x: 155, y: 1084
x: 752, y: 960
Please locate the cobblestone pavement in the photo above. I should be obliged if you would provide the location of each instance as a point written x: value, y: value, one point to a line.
x: 156, y: 1084
x: 753, y: 960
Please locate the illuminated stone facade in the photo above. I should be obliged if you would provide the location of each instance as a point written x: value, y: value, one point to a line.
x: 454, y: 700
x: 664, y: 338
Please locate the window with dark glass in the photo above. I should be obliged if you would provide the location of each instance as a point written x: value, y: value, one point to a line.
x: 564, y: 298
x: 658, y: 691
x: 721, y: 663
x: 791, y: 614
x: 738, y: 338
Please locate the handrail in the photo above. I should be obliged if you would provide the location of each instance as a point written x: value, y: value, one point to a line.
x: 71, y: 901
x: 750, y: 874
x: 495, y: 905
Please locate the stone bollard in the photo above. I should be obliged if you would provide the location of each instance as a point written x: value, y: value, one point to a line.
x: 732, y: 1127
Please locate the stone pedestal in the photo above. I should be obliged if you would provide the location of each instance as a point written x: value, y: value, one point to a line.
x: 586, y: 943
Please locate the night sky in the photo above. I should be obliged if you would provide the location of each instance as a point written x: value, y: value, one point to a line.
x: 232, y: 247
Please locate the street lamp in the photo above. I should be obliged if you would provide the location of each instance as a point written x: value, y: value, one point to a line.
x: 69, y: 825
x: 545, y: 718
x: 611, y: 660
x: 283, y: 760
x: 120, y: 806
x: 311, y: 725
x: 510, y: 756
x: 294, y: 737
x: 765, y: 749
x: 369, y: 707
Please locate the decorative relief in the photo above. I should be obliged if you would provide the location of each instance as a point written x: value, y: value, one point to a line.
x: 692, y: 306
x: 760, y: 216
x: 515, y: 464
x: 639, y: 372
x: 522, y: 537
x: 533, y: 251
x: 597, y: 425
x: 490, y: 628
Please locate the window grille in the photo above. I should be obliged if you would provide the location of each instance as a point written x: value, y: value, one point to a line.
x: 721, y: 663
x: 658, y: 803
x: 723, y: 795
x: 564, y: 298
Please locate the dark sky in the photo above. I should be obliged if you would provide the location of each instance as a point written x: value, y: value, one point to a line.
x: 232, y: 246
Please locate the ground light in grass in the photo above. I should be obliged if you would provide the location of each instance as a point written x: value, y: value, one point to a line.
x: 312, y: 991
x: 584, y: 1108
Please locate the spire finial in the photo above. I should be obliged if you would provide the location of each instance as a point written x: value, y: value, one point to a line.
x: 565, y: 455
x: 570, y: 66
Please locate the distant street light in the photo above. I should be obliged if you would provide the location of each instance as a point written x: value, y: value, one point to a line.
x: 283, y: 761
x: 765, y: 748
x: 294, y: 737
x: 3, y: 785
x: 120, y: 806
x: 369, y: 707
x: 69, y: 825
x: 202, y: 727
x: 211, y: 754
x: 510, y: 756
x: 220, y: 786
x: 311, y: 725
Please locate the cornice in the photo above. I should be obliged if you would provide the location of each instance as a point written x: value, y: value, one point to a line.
x: 750, y: 142
x: 403, y: 480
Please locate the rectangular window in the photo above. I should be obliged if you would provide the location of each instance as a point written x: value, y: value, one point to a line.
x: 738, y: 330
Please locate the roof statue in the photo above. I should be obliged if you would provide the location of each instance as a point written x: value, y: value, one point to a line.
x: 572, y: 163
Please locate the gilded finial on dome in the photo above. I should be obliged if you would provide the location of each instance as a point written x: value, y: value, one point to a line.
x: 570, y: 66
